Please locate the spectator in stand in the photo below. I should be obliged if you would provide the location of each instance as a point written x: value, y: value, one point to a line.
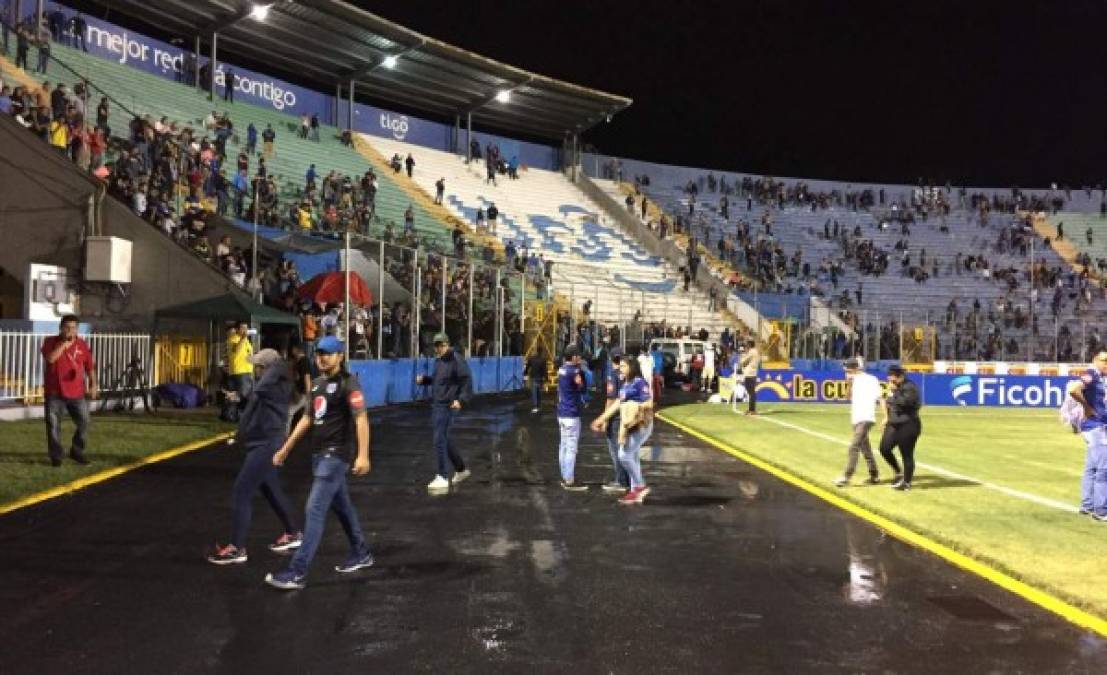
x: 228, y: 86
x: 79, y: 27
x: 409, y: 163
x: 439, y: 190
x: 251, y: 139
x: 305, y: 125
x: 513, y: 168
x: 267, y: 138
x: 6, y: 100
x: 493, y: 214
x: 409, y: 220
x: 68, y: 364
x: 315, y: 127
x: 42, y: 41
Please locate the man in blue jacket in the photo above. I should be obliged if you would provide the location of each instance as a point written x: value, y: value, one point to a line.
x: 261, y: 430
x: 570, y: 403
x: 451, y: 386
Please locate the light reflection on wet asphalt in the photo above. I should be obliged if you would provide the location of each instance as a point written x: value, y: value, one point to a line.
x: 724, y: 569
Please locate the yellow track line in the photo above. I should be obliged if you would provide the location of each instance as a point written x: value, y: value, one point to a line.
x: 82, y: 483
x: 1027, y: 592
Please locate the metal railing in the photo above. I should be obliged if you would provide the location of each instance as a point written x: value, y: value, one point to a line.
x: 22, y: 367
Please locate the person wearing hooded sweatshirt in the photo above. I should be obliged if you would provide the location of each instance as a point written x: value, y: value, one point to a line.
x: 262, y: 426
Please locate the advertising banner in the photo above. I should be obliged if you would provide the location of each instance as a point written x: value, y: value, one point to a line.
x: 1013, y: 391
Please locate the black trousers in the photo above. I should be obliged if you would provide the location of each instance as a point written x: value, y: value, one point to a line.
x: 750, y: 383
x: 904, y: 436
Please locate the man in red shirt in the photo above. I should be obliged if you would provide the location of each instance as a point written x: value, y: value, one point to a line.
x: 67, y: 362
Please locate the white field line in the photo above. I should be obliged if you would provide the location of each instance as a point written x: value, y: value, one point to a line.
x: 1018, y: 494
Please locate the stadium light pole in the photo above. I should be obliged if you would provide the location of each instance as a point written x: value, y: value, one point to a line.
x: 346, y: 307
x: 196, y: 64
x: 1030, y: 299
x: 213, y: 64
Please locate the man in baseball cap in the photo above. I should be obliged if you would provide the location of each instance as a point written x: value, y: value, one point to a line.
x: 451, y: 386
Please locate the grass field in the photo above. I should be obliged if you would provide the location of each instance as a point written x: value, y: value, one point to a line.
x: 114, y: 440
x: 1000, y: 485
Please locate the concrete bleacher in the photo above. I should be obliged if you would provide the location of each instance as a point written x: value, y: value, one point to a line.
x: 893, y: 296
x: 147, y: 94
x: 544, y: 212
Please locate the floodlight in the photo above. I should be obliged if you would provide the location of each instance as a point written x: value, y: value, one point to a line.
x: 503, y: 96
x: 390, y: 61
x: 259, y: 12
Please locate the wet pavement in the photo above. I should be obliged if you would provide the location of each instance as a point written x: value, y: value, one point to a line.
x: 724, y: 569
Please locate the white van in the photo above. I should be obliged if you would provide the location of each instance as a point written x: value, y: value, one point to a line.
x: 679, y: 352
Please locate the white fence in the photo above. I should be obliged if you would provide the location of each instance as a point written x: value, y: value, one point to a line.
x: 21, y: 362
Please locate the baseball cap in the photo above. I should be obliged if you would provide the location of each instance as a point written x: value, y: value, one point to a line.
x: 265, y: 358
x: 441, y: 339
x: 896, y: 370
x: 330, y: 345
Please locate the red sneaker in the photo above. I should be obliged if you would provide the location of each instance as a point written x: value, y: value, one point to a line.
x: 227, y: 555
x: 287, y: 542
x: 634, y: 496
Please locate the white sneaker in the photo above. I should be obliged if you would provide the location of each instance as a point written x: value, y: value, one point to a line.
x: 439, y: 484
x: 841, y: 481
x: 461, y: 475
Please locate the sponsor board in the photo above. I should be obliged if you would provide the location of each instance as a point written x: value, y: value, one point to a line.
x: 1011, y: 391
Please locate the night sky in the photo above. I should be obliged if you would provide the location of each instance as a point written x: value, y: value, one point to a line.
x: 974, y: 92
x: 997, y: 94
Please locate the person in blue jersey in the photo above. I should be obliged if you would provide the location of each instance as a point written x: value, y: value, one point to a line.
x: 658, y: 379
x: 570, y: 404
x: 338, y: 431
x: 635, y: 410
x: 1090, y: 391
x: 614, y: 379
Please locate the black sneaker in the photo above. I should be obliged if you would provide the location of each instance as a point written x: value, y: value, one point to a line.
x: 79, y: 458
x: 902, y: 486
x: 286, y: 580
x: 355, y: 563
x: 227, y: 555
x: 873, y: 480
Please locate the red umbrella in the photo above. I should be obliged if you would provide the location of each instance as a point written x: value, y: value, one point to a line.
x: 330, y: 287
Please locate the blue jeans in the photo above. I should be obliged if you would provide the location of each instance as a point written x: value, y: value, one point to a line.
x: 1093, y: 485
x: 56, y: 407
x: 612, y: 435
x: 630, y: 454
x: 567, y: 453
x: 535, y: 393
x: 328, y: 491
x: 442, y: 419
x: 257, y: 472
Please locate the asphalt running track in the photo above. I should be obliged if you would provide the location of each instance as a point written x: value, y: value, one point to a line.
x: 724, y: 569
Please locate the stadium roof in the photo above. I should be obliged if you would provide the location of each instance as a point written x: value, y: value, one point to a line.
x: 335, y: 42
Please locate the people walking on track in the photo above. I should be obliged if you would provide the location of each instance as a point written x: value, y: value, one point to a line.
x: 338, y: 432
x: 635, y: 412
x: 570, y: 404
x: 451, y: 387
x: 621, y: 481
x: 1090, y: 391
x: 262, y: 428
x: 902, y: 426
x: 864, y: 396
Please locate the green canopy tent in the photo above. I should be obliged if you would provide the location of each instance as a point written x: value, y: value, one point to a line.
x: 222, y: 309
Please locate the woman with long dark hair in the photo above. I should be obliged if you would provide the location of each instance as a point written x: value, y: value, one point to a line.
x: 635, y: 410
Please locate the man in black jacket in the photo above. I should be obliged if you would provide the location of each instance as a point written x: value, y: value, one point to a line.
x: 537, y: 367
x: 451, y: 386
x: 902, y: 426
x: 262, y: 426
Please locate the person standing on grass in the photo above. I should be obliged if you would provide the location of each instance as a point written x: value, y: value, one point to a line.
x: 635, y: 411
x: 901, y: 426
x: 337, y: 428
x: 262, y: 428
x: 570, y: 403
x: 239, y: 351
x: 750, y: 363
x: 1090, y: 391
x: 864, y: 395
x: 67, y: 365
x: 451, y: 386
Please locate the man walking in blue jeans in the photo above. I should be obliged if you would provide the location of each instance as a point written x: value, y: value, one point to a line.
x: 621, y: 483
x: 451, y: 386
x: 536, y: 371
x: 339, y: 430
x: 262, y: 427
x: 570, y: 403
x: 67, y: 363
